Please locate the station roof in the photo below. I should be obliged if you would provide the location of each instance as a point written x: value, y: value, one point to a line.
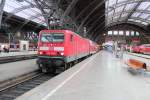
x: 95, y: 15
x: 25, y: 9
x: 132, y: 11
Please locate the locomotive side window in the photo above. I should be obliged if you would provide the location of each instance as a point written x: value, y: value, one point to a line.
x: 52, y: 37
x: 71, y: 38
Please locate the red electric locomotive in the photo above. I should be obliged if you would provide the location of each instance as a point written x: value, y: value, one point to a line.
x: 58, y: 48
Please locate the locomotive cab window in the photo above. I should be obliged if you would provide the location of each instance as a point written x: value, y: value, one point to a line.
x: 59, y: 37
x: 52, y: 37
x: 46, y: 37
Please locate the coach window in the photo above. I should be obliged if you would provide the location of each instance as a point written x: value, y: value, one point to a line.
x: 71, y: 38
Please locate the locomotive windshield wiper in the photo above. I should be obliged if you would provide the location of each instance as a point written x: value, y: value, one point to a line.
x: 49, y: 39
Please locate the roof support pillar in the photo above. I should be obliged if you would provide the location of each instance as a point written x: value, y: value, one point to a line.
x: 2, y: 3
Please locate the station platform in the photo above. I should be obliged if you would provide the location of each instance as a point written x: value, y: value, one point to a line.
x: 15, y: 69
x: 10, y: 54
x: 100, y: 77
x: 139, y: 55
x: 17, y: 56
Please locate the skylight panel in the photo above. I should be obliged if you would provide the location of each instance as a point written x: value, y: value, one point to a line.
x: 148, y: 9
x: 124, y: 8
x: 124, y: 14
x: 119, y: 9
x: 23, y: 15
x: 130, y: 6
x: 112, y: 2
x: 24, y: 3
x: 144, y: 16
x: 148, y: 19
x: 14, y: 3
x: 8, y: 8
x: 11, y: 4
x: 144, y: 5
x: 30, y: 12
x: 36, y: 10
x: 136, y: 14
x: 31, y: 1
x: 111, y: 13
x: 121, y: 1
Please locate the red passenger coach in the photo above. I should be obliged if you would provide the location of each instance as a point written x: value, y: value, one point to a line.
x: 58, y: 48
x: 93, y: 47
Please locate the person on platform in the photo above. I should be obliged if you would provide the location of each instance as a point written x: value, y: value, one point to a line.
x: 6, y: 49
x: 0, y: 49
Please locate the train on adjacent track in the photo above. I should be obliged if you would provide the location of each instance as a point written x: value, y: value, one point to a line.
x: 62, y: 48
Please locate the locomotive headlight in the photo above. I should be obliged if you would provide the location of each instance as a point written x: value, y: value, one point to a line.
x: 40, y: 53
x: 61, y: 53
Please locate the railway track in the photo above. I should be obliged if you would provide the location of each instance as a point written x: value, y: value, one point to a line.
x: 16, y: 88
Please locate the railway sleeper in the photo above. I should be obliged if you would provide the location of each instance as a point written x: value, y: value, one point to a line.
x: 18, y: 91
x: 9, y: 96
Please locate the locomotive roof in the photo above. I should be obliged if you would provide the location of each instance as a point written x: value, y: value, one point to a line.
x: 46, y: 30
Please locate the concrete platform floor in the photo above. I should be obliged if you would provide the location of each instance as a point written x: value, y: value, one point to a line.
x: 100, y: 77
x: 14, y: 69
